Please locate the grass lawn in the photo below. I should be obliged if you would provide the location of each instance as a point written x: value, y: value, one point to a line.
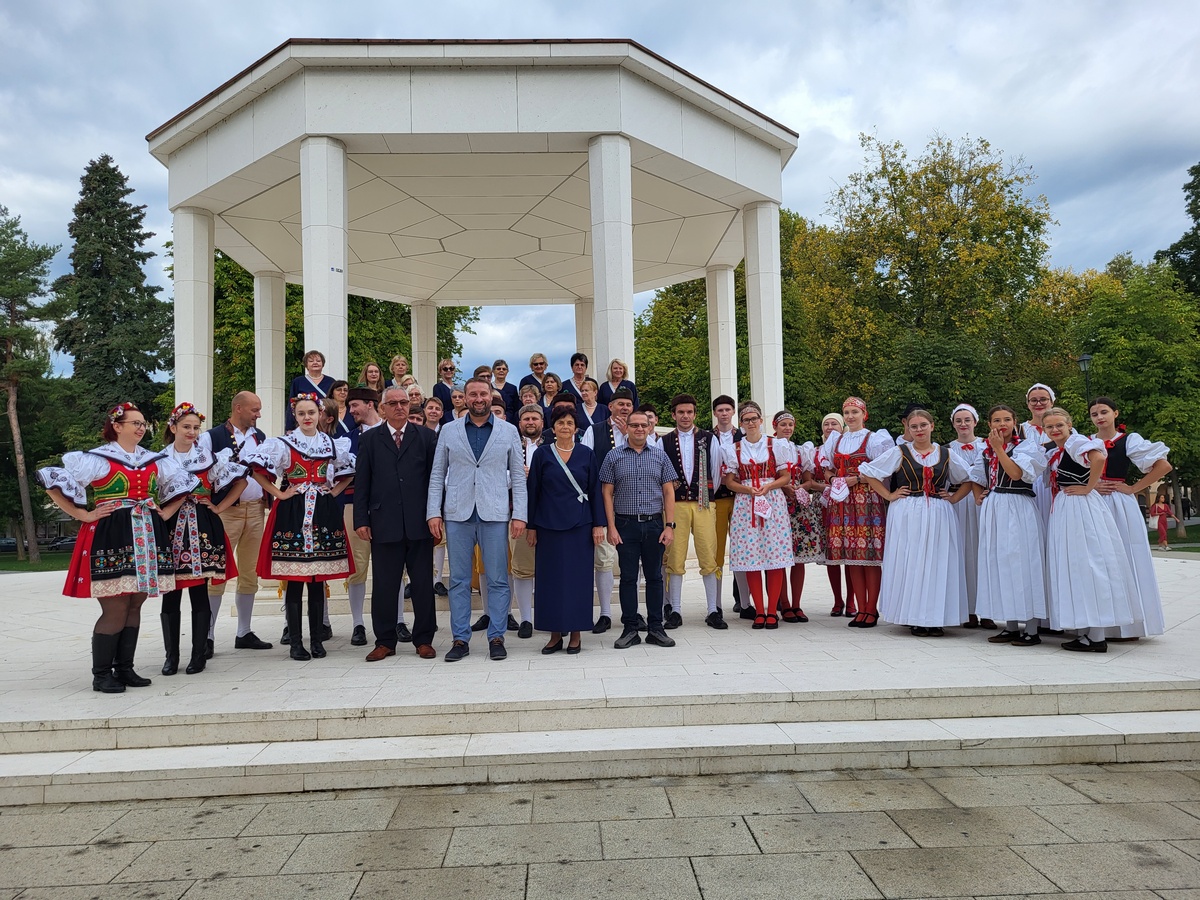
x: 50, y: 562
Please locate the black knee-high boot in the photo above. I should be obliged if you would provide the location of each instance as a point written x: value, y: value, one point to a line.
x: 170, y: 618
x: 201, y: 619
x: 104, y: 649
x: 123, y: 662
x: 293, y: 608
x: 316, y: 617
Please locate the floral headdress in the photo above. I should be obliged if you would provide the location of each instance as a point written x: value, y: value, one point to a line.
x: 313, y: 397
x: 117, y: 413
x: 183, y: 409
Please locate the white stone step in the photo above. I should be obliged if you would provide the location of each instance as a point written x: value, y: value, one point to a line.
x: 631, y: 752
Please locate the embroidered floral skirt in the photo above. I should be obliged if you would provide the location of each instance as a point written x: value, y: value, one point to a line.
x: 854, y: 529
x: 105, y: 563
x: 209, y: 547
x: 757, y: 544
x: 808, y: 531
x: 289, y: 554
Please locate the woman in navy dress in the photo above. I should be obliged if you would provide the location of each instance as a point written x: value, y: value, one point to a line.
x: 313, y: 381
x: 565, y: 526
x: 614, y: 379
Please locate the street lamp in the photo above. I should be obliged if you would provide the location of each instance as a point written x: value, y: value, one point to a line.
x: 1085, y: 364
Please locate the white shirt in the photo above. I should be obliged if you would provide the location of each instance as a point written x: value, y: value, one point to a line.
x: 248, y: 443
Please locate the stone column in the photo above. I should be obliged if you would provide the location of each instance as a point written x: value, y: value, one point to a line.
x: 323, y: 214
x: 611, y: 182
x: 270, y: 310
x: 722, y: 331
x: 424, y: 344
x: 764, y: 304
x: 585, y: 314
x: 193, y: 286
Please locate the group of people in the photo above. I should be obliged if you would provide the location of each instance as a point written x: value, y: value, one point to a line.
x: 1030, y: 529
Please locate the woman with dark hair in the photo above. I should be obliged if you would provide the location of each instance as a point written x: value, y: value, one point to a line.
x: 1160, y: 510
x: 343, y: 423
x: 123, y: 552
x: 574, y: 384
x: 566, y: 521
x: 820, y: 473
x: 199, y: 550
x: 551, y: 385
x: 304, y: 540
x: 1127, y: 449
x: 805, y: 514
x: 372, y: 377
x: 313, y: 381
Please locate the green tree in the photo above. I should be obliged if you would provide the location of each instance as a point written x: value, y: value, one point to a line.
x: 24, y: 266
x: 108, y: 318
x: 1184, y: 255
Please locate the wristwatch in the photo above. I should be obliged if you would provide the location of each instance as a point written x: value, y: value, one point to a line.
x: 670, y: 525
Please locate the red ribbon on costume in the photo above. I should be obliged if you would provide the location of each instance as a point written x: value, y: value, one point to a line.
x: 993, y: 459
x: 1053, y: 466
x: 968, y: 446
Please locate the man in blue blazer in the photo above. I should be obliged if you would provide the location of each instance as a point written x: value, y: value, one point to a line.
x: 479, y: 478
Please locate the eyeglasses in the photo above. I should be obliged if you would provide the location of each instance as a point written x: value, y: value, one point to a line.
x: 638, y: 425
x: 750, y: 420
x: 137, y: 426
x: 447, y: 368
x: 393, y: 403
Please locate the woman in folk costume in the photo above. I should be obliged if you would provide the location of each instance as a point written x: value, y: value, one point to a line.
x: 1012, y: 538
x: 1039, y: 399
x: 1150, y: 458
x: 805, y: 514
x: 1091, y: 582
x: 199, y: 549
x: 819, y: 475
x: 923, y: 582
x: 856, y: 523
x: 760, y: 534
x: 123, y: 552
x: 965, y: 419
x: 304, y: 540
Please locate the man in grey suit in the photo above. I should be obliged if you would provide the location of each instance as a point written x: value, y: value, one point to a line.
x: 478, y: 459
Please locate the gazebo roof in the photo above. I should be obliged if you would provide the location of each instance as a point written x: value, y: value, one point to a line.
x: 468, y: 163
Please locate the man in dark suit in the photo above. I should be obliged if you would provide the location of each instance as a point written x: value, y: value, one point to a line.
x: 391, y: 485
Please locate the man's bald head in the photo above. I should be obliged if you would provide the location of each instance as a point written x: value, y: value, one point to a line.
x: 245, y: 410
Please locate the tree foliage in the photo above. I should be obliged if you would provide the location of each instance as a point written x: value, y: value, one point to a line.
x: 1184, y: 255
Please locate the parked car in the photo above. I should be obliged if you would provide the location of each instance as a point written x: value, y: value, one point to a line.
x: 62, y: 544
x: 8, y: 545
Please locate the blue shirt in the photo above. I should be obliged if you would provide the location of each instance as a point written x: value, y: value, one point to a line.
x: 478, y: 435
x: 637, y: 479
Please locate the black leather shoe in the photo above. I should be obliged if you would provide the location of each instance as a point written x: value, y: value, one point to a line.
x: 318, y: 650
x: 250, y: 641
x: 747, y: 612
x: 496, y: 649
x: 326, y: 632
x: 602, y: 625
x: 298, y: 652
x: 458, y: 651
x: 208, y: 648
x: 513, y: 625
x: 552, y: 648
x: 359, y: 637
x: 286, y: 637
x: 408, y: 592
x: 482, y: 623
x: 439, y: 589
x: 403, y: 635
x: 1080, y: 647
x: 716, y: 620
x: 526, y: 630
x: 674, y: 620
x: 196, y: 665
x: 800, y: 616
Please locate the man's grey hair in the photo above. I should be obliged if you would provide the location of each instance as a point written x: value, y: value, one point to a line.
x: 395, y: 389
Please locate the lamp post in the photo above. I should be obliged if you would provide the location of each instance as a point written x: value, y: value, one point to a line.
x: 1085, y: 364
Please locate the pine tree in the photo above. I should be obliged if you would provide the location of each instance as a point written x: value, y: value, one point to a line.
x: 108, y: 318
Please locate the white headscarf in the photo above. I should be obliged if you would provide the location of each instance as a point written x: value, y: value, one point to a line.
x: 1045, y: 387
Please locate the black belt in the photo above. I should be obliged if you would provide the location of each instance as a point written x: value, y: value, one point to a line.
x: 1023, y: 491
x: 639, y: 517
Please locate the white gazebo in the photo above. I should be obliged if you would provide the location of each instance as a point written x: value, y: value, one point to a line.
x: 472, y: 173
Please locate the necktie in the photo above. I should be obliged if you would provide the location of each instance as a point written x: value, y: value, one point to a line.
x: 399, y: 437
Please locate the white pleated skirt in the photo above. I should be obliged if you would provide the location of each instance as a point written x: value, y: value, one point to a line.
x: 1012, y: 559
x: 1131, y: 524
x: 966, y: 512
x: 1090, y: 579
x: 923, y: 581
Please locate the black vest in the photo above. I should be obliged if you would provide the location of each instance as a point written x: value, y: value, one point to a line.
x: 1006, y: 484
x: 688, y: 491
x: 1069, y: 471
x: 1116, y: 467
x: 722, y: 492
x: 602, y: 440
x: 911, y: 473
x: 221, y: 438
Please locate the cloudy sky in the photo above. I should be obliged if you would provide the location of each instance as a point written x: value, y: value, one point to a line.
x: 1100, y: 98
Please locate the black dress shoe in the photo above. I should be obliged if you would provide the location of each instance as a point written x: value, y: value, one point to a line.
x: 286, y: 637
x: 602, y: 625
x: 673, y: 620
x: 800, y: 616
x: 408, y: 592
x: 482, y: 623
x: 403, y: 635
x: 458, y: 651
x: 208, y: 648
x: 513, y: 625
x: 496, y: 649
x: 326, y: 632
x: 1080, y: 647
x: 359, y: 637
x: 250, y: 641
x: 575, y: 649
x: 318, y: 650
x: 439, y: 589
x: 552, y: 648
x: 716, y: 620
x: 298, y: 652
x: 747, y: 612
x: 526, y: 630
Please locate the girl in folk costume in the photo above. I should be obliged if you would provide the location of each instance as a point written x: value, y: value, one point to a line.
x: 304, y: 539
x: 123, y: 552
x: 1012, y: 545
x: 820, y: 469
x: 199, y: 550
x: 1090, y: 579
x: 966, y: 510
x: 805, y: 515
x: 760, y: 535
x: 1125, y: 449
x: 923, y: 582
x: 1039, y: 399
x: 856, y: 525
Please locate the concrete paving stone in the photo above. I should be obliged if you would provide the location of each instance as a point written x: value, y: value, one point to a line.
x: 1129, y: 866
x: 952, y: 871
x: 977, y: 827
x: 645, y: 838
x: 1005, y: 790
x: 1135, y: 787
x: 1191, y: 848
x: 333, y: 886
x: 1095, y: 822
x: 749, y: 799
x: 476, y: 882
x: 508, y: 844
x: 813, y: 876
x: 863, y: 796
x: 601, y: 805
x: 323, y: 816
x: 180, y: 823
x: 651, y: 879
x: 210, y: 858
x: 48, y: 866
x: 1090, y: 895
x: 55, y: 829
x: 149, y: 890
x: 433, y: 809
x: 815, y: 832
x: 369, y: 851
x: 1185, y: 894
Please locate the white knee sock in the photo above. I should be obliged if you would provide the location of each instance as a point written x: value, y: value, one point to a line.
x: 604, y: 586
x: 400, y: 604
x: 743, y: 590
x: 326, y: 620
x: 358, y: 597
x: 1011, y: 625
x: 523, y: 591
x: 214, y: 604
x: 439, y: 561
x: 712, y: 590
x: 1095, y: 636
x: 675, y: 591
x: 245, y: 609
